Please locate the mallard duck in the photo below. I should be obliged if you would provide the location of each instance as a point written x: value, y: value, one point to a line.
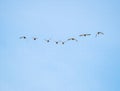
x: 63, y: 42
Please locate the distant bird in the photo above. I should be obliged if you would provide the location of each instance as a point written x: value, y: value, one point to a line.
x: 63, y: 42
x: 98, y: 33
x: 85, y: 35
x: 72, y: 39
x: 48, y: 40
x: 23, y: 37
x: 34, y: 38
x: 56, y: 42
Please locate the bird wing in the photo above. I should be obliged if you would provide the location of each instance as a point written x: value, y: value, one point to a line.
x: 22, y: 37
x: 76, y: 40
x: 69, y: 39
x: 88, y: 34
x: 96, y: 35
x: 102, y: 33
x: 81, y: 35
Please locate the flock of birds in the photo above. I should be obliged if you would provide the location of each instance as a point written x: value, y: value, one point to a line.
x: 69, y: 39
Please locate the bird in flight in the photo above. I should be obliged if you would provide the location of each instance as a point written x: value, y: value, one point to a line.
x: 62, y: 42
x: 85, y: 35
x: 56, y: 42
x: 48, y: 40
x: 72, y: 39
x: 34, y: 38
x: 98, y: 33
x: 23, y: 37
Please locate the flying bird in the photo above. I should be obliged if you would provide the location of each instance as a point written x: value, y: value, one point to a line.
x: 56, y: 42
x: 98, y: 33
x: 72, y: 39
x: 48, y: 40
x: 85, y: 35
x: 62, y: 42
x: 34, y: 38
x: 23, y: 37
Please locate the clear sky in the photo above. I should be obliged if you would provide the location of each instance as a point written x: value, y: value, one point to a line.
x: 91, y: 64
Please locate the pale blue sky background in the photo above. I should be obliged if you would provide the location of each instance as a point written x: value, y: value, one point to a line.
x: 92, y: 64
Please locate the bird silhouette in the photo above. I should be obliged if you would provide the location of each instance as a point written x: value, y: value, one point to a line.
x: 56, y: 42
x: 85, y: 35
x: 34, y: 38
x: 72, y: 39
x: 98, y: 33
x: 23, y: 37
x: 48, y: 40
x: 62, y: 42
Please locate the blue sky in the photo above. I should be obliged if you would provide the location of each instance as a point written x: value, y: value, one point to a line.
x: 91, y: 64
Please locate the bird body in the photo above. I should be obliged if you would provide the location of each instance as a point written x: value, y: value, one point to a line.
x: 56, y: 42
x: 34, y: 38
x: 72, y: 39
x: 98, y: 33
x: 23, y: 37
x: 47, y: 40
x: 85, y: 35
x: 63, y: 42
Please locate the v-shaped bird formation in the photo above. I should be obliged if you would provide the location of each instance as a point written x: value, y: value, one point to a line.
x: 64, y: 41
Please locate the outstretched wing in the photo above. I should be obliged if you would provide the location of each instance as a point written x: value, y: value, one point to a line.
x: 69, y: 39
x: 81, y: 35
x: 102, y: 33
x: 22, y: 37
x: 76, y: 40
x: 88, y: 34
